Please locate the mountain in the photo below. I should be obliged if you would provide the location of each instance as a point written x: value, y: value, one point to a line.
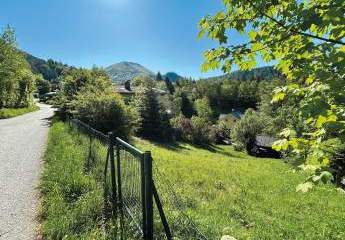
x: 261, y: 73
x: 172, y: 76
x: 124, y: 71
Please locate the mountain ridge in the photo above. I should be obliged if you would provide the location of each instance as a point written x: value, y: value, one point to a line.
x: 125, y: 70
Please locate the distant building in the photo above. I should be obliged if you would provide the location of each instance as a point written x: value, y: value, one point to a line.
x: 263, y: 147
x: 128, y: 90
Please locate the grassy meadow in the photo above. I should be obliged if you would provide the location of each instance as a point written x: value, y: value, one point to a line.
x: 14, y: 112
x: 229, y: 192
x: 226, y: 192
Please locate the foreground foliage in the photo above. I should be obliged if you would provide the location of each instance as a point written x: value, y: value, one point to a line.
x: 306, y: 39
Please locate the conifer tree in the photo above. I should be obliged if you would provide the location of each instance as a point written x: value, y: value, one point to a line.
x: 159, y: 77
x: 148, y: 109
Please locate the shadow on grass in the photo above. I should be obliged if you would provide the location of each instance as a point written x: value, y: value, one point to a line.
x: 178, y: 146
x: 170, y: 145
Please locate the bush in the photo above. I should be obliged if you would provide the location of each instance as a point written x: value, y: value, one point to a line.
x: 104, y: 111
x: 223, y: 128
x: 335, y: 149
x: 43, y: 86
x: 77, y: 80
x: 196, y: 130
x: 247, y: 128
x: 182, y: 128
x: 203, y: 108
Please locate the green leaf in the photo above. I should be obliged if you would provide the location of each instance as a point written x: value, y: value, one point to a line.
x: 285, y: 133
x: 277, y: 97
x: 304, y: 187
x: 320, y: 121
x: 201, y: 34
x: 252, y: 35
x: 280, y: 145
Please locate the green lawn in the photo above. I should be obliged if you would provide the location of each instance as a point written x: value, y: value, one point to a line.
x: 229, y: 192
x: 226, y: 192
x: 14, y: 112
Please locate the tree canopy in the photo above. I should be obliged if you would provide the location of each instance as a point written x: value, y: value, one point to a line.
x: 17, y: 82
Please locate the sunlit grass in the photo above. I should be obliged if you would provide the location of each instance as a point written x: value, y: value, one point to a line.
x: 72, y: 196
x: 13, y: 112
x: 229, y: 192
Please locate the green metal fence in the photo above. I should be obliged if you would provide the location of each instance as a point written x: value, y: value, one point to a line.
x: 132, y: 192
x: 136, y: 193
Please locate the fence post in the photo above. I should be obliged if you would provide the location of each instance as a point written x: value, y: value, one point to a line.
x: 161, y: 213
x: 148, y: 230
x: 112, y: 170
x: 143, y: 198
x: 119, y: 187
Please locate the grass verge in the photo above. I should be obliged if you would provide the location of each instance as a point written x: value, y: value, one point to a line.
x: 14, y: 112
x: 72, y: 195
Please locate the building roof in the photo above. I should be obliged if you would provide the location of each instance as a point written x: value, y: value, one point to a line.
x: 265, y: 141
x: 123, y: 90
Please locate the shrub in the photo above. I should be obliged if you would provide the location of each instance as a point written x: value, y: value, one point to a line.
x: 335, y: 148
x: 247, y: 128
x: 201, y: 133
x: 43, y: 86
x: 17, y: 82
x: 182, y: 127
x: 203, y: 108
x: 77, y: 80
x: 223, y: 128
x: 196, y: 130
x: 104, y: 111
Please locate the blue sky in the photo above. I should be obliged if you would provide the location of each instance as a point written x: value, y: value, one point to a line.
x: 161, y: 35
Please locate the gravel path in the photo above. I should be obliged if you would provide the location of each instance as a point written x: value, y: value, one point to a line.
x: 22, y: 143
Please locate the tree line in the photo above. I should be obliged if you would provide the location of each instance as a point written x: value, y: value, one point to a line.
x: 17, y: 82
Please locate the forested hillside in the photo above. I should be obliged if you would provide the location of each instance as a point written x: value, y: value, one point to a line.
x: 49, y: 69
x: 260, y: 73
x: 124, y: 71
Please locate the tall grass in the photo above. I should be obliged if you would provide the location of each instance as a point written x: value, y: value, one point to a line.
x: 71, y: 187
x: 13, y: 112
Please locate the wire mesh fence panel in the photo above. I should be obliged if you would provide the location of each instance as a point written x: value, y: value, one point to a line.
x: 129, y: 190
x: 97, y: 164
x: 181, y: 224
x: 129, y: 175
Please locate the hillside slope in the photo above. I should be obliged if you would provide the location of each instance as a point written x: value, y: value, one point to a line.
x: 260, y: 73
x: 124, y: 71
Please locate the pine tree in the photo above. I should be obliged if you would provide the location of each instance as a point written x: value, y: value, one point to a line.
x: 159, y: 77
x: 169, y: 85
x: 148, y: 108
